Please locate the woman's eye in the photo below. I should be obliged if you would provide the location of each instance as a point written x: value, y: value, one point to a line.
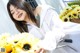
x: 12, y: 13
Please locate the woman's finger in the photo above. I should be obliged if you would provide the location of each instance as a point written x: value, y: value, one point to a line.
x: 38, y: 51
x: 41, y: 50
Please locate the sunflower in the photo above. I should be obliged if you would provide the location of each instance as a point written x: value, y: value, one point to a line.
x: 26, y: 44
x: 4, y: 44
x: 19, y: 43
x: 72, y: 15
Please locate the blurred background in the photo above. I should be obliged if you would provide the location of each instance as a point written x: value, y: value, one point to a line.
x: 6, y: 25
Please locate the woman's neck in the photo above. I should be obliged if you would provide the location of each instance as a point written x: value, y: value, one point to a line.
x: 37, y: 10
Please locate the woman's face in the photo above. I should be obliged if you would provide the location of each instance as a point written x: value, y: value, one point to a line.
x: 18, y: 14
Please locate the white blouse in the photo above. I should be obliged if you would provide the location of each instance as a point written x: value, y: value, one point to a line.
x: 52, y: 29
x: 48, y: 19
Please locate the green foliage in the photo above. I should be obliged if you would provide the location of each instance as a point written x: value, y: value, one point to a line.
x: 74, y: 3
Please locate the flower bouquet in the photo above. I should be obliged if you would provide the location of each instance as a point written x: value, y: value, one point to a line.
x: 71, y: 14
x: 19, y: 43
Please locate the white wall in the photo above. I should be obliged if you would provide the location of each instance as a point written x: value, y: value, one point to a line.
x: 54, y: 3
x: 6, y: 25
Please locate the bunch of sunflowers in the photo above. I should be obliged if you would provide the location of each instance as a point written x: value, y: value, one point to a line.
x: 71, y: 14
x: 19, y: 43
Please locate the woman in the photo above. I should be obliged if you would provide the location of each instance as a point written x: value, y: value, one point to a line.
x: 42, y: 21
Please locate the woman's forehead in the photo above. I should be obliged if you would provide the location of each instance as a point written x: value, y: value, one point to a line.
x: 12, y: 7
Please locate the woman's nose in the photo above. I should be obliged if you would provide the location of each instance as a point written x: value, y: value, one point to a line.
x: 17, y: 12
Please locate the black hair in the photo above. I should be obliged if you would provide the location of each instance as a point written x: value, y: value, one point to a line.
x: 26, y: 6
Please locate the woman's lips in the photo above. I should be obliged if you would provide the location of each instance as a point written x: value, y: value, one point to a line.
x: 20, y: 15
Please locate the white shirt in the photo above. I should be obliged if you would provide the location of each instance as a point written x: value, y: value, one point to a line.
x: 48, y: 18
x: 52, y: 29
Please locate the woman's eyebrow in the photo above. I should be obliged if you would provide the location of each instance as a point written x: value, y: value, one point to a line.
x: 11, y: 11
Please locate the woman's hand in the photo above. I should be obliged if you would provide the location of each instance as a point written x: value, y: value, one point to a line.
x: 41, y: 50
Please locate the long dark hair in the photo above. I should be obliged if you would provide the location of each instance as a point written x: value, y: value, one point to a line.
x: 24, y: 5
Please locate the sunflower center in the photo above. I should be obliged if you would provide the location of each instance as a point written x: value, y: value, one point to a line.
x: 65, y: 19
x: 10, y: 51
x: 15, y: 41
x: 75, y: 14
x: 26, y: 47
